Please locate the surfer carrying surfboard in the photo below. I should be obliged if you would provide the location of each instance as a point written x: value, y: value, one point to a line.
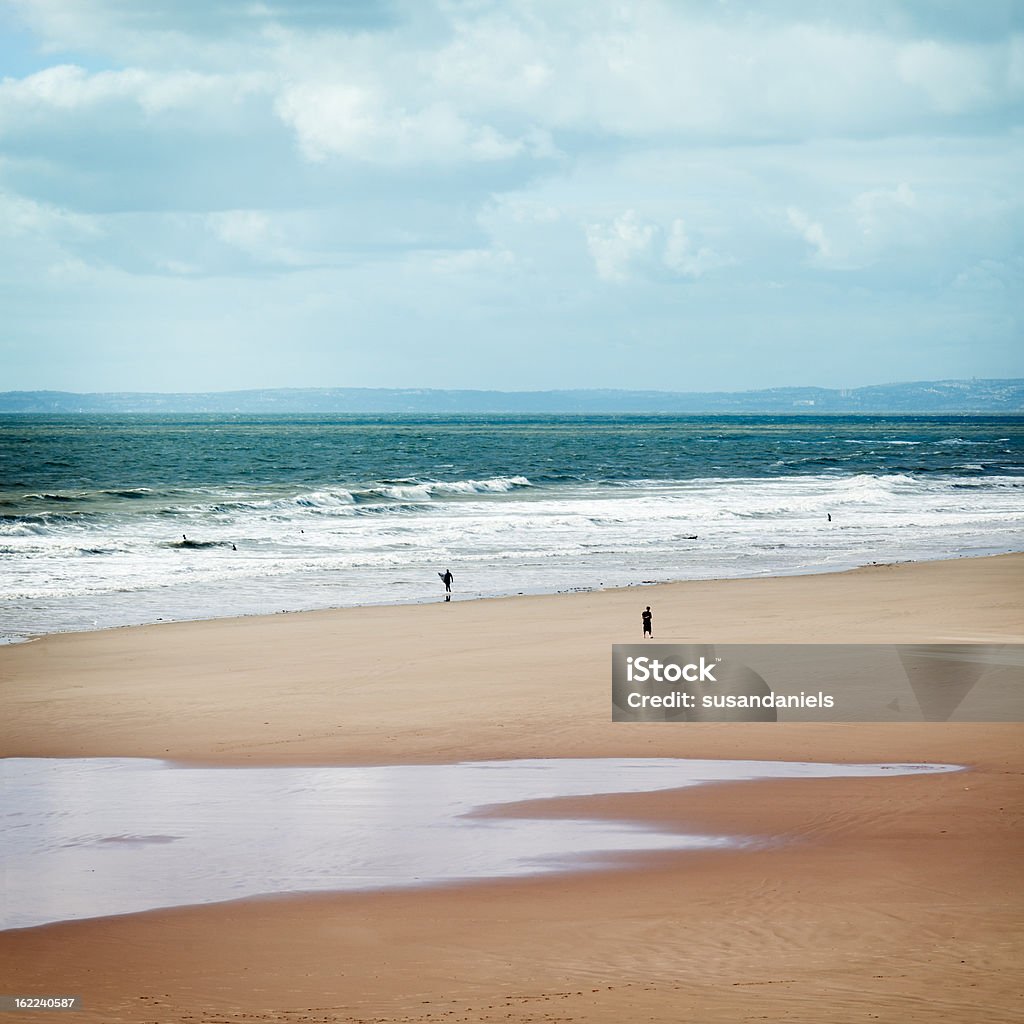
x: 447, y: 578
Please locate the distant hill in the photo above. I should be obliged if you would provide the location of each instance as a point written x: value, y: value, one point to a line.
x: 940, y: 396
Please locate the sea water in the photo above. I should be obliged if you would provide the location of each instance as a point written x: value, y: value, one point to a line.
x: 113, y: 520
x: 94, y: 837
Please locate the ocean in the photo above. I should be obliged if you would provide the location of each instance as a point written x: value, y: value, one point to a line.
x: 122, y: 519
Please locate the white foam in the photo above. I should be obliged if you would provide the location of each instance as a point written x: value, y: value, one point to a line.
x: 499, y: 535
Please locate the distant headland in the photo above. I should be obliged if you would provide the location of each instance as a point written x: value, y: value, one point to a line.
x: 941, y: 397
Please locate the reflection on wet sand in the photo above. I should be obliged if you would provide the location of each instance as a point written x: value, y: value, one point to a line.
x: 94, y: 837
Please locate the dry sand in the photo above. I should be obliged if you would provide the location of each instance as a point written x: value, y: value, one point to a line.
x: 896, y: 899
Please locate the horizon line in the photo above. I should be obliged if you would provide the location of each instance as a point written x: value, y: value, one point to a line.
x: 527, y: 391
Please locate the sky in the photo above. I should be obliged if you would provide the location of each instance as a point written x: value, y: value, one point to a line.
x: 205, y: 195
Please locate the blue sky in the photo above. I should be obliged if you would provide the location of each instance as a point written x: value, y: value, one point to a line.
x: 209, y: 195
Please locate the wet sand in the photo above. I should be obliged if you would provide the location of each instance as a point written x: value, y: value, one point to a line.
x: 896, y: 899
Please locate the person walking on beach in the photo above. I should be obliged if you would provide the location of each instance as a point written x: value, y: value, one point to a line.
x: 447, y: 578
x: 648, y: 620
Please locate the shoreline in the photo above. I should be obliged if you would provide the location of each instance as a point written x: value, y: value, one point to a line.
x: 456, y: 599
x: 898, y: 897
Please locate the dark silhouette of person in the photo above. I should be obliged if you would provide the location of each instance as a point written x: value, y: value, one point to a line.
x: 447, y: 579
x: 830, y: 517
x: 648, y: 620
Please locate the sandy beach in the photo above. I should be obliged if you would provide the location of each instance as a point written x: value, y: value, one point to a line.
x: 882, y: 899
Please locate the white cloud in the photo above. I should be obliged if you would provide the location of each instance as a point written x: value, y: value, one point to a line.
x: 68, y: 87
x: 955, y: 78
x: 258, y: 235
x: 483, y: 82
x: 619, y: 247
x: 495, y: 63
x: 645, y: 70
x: 339, y: 119
x: 685, y: 258
x: 990, y: 276
x: 811, y: 231
x: 508, y: 161
x: 24, y: 217
x: 629, y: 248
x: 882, y: 211
x: 493, y: 83
x: 471, y: 261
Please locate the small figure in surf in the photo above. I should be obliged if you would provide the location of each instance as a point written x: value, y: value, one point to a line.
x: 648, y: 620
x: 447, y: 579
x: 830, y: 517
